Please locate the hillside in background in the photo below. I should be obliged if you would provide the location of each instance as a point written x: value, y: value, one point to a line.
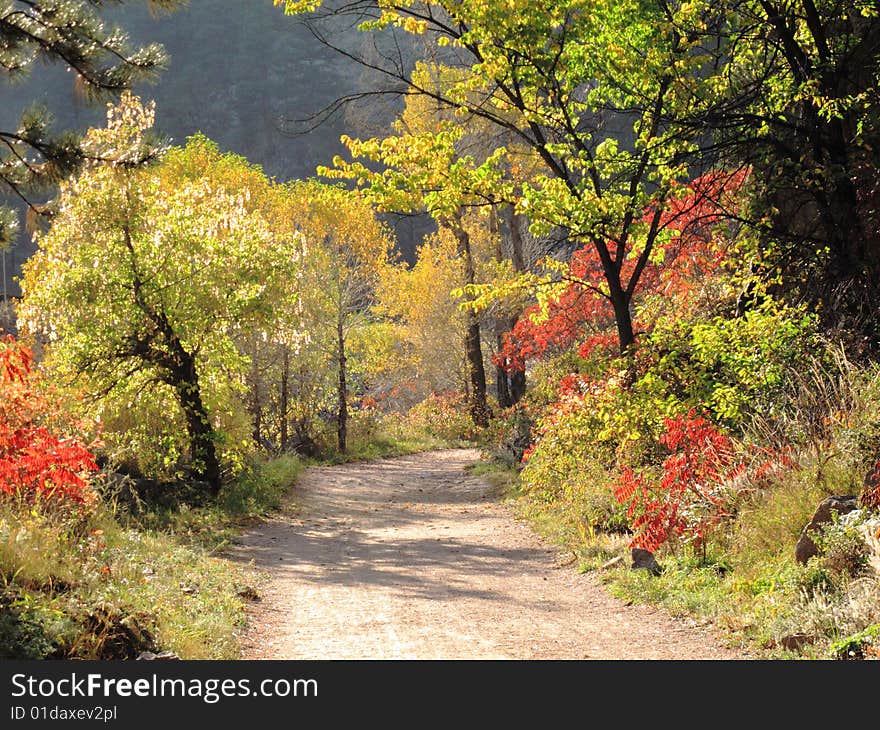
x: 241, y: 92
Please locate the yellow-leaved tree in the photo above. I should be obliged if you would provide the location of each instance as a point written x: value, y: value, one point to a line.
x: 428, y: 327
x: 142, y: 282
x: 345, y: 250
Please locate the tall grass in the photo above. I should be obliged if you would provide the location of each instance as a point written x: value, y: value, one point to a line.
x: 95, y: 589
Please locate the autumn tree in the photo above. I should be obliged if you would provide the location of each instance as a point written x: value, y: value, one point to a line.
x: 146, y: 273
x: 797, y: 102
x: 421, y: 162
x: 587, y: 87
x: 345, y: 249
x: 102, y: 61
x: 290, y: 375
x: 572, y: 312
x: 428, y: 328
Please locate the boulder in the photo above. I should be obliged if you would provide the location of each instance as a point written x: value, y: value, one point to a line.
x: 149, y: 656
x: 796, y: 642
x: 836, y: 504
x: 644, y: 559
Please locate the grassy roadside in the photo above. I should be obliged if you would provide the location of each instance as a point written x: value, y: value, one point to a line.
x: 750, y: 589
x: 112, y: 584
x: 212, y: 526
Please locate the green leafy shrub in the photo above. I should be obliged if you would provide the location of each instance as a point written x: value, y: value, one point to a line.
x: 854, y: 646
x: 144, y: 431
x: 842, y: 549
x: 730, y: 367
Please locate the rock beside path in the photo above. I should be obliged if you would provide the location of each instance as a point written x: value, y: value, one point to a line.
x: 835, y: 505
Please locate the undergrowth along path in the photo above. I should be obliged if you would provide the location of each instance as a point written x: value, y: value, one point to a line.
x: 412, y: 558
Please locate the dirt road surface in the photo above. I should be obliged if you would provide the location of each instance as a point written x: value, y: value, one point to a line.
x: 412, y: 558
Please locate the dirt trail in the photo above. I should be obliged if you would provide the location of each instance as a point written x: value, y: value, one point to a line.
x: 411, y: 558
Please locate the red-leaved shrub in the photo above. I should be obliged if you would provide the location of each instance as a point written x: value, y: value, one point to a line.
x: 702, y: 479
x: 694, y: 493
x: 36, y: 465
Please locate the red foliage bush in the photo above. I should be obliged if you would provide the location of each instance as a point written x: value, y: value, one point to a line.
x: 35, y: 464
x: 693, y: 496
x: 703, y: 478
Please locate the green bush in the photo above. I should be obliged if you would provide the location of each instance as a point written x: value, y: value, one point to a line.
x: 853, y: 647
x: 727, y: 367
x: 144, y: 431
x: 261, y: 487
x: 842, y: 549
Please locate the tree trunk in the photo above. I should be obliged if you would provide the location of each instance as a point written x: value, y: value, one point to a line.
x: 256, y: 406
x: 185, y: 381
x: 517, y: 386
x: 517, y: 378
x: 622, y: 316
x: 342, y: 391
x: 516, y: 243
x: 829, y: 153
x: 856, y: 263
x: 473, y: 347
x: 179, y: 370
x: 502, y: 388
x: 502, y: 323
x: 474, y: 352
x: 284, y: 394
